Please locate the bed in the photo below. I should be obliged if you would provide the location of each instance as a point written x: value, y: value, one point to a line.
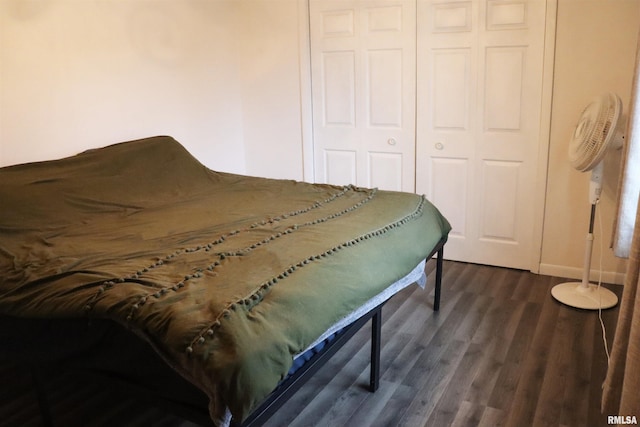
x: 225, y: 278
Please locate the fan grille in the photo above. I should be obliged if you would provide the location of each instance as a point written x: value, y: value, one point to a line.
x: 594, y: 132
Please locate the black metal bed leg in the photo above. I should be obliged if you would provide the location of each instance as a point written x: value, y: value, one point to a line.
x: 376, y: 327
x: 436, y: 298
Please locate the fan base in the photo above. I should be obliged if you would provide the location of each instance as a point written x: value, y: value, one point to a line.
x: 589, y: 297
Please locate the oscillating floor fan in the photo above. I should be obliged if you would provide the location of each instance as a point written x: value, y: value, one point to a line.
x: 596, y: 133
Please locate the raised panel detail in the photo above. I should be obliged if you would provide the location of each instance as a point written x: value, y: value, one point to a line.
x: 385, y: 19
x: 449, y: 191
x: 339, y: 88
x: 500, y: 200
x: 451, y: 88
x: 504, y: 69
x: 340, y: 167
x: 337, y: 23
x: 503, y: 15
x: 452, y: 17
x: 385, y: 171
x: 385, y: 87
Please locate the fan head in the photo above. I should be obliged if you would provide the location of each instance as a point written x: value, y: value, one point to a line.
x: 595, y: 132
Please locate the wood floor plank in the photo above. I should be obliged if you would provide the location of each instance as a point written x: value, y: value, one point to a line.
x: 554, y: 372
x: 527, y: 392
x: 503, y: 394
x: 379, y: 408
x: 451, y: 402
x: 492, y: 417
x: 468, y: 415
x: 575, y: 408
x: 485, y: 382
x: 473, y: 318
x: 432, y: 382
x: 402, y: 356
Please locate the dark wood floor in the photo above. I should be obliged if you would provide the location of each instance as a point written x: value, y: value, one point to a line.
x: 500, y: 352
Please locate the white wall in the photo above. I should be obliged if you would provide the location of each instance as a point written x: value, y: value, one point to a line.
x: 76, y: 74
x: 595, y: 53
x: 271, y: 111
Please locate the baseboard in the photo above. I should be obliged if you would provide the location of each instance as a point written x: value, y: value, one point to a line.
x: 576, y: 273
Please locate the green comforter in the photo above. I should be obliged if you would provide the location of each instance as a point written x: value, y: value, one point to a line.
x: 227, y: 276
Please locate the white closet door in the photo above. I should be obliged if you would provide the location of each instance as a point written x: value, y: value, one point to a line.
x: 480, y: 68
x: 363, y: 88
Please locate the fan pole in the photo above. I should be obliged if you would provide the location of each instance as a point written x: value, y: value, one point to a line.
x: 588, y: 250
x: 583, y: 294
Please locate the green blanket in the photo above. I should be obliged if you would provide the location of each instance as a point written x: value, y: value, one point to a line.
x: 227, y: 276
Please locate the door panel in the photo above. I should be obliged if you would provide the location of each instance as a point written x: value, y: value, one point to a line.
x: 451, y: 195
x: 339, y: 92
x: 363, y: 81
x: 451, y: 85
x: 500, y: 181
x: 503, y: 88
x: 340, y: 166
x: 385, y: 171
x: 384, y: 88
x: 480, y: 67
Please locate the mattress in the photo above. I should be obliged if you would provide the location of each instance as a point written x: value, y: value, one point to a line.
x: 228, y: 277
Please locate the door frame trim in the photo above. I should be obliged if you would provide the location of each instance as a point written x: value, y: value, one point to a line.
x: 306, y: 99
x: 540, y: 194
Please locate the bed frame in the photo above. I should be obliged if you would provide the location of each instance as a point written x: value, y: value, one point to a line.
x: 285, y: 389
